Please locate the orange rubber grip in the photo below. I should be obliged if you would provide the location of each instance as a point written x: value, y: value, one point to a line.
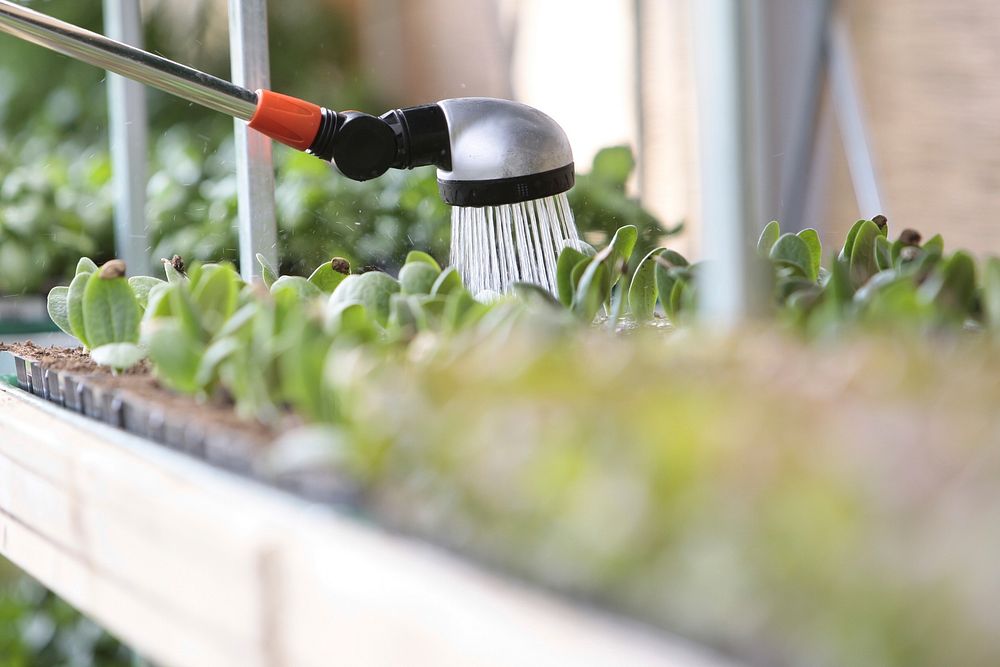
x: 291, y: 121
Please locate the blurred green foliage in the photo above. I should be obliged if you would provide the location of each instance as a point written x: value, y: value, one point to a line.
x: 37, y: 629
x: 601, y: 205
x: 787, y: 503
x: 55, y: 205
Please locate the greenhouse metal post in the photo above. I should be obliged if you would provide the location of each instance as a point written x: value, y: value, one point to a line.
x: 128, y: 135
x: 254, y: 169
x: 725, y: 120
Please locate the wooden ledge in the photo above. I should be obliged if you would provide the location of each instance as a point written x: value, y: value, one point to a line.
x: 195, y: 566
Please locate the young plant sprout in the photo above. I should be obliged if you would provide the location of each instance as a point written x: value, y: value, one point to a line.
x: 100, y: 308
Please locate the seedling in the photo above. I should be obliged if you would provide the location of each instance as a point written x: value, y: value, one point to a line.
x: 100, y: 309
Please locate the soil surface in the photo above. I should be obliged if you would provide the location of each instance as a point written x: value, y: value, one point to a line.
x: 141, y: 385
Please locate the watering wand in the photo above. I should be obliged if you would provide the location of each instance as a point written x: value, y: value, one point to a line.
x: 508, y: 162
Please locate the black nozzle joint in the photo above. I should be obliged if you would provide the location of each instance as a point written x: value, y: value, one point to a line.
x: 362, y: 146
x: 422, y: 137
x: 365, y: 147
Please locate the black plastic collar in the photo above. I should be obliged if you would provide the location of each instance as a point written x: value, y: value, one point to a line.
x: 508, y: 190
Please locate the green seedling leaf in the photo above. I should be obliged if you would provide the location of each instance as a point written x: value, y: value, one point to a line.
x: 665, y: 278
x: 863, y: 263
x: 894, y: 252
x: 593, y: 289
x: 883, y: 253
x: 791, y: 250
x: 86, y: 265
x: 193, y: 273
x: 580, y: 246
x: 330, y: 274
x: 839, y: 287
x: 811, y: 237
x: 57, y: 304
x: 158, y: 301
x: 569, y: 259
x: 935, y: 244
x: 678, y: 298
x: 215, y: 294
x: 240, y: 319
x: 267, y: 272
x: 434, y: 309
x: 118, y: 355
x: 421, y: 256
x: 845, y: 252
x: 175, y: 354
x: 879, y: 282
x: 768, y: 237
x: 301, y: 287
x: 991, y: 293
x: 461, y: 310
x: 882, y: 223
x: 174, y: 269
x: 529, y: 292
x: 642, y: 292
x: 622, y: 244
x: 351, y: 320
x: 577, y: 273
x: 302, y: 369
x: 952, y: 285
x: 74, y: 307
x: 418, y: 277
x: 111, y: 313
x: 788, y: 287
x: 216, y: 353
x: 182, y: 307
x: 373, y: 290
x: 447, y: 282
x: 406, y: 315
x: 672, y: 258
x: 142, y: 286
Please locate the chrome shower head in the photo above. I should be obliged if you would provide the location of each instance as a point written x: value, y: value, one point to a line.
x: 502, y: 152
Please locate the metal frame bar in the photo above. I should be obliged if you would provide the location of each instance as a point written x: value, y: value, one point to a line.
x: 128, y: 133
x: 728, y: 291
x: 254, y: 169
x: 845, y: 95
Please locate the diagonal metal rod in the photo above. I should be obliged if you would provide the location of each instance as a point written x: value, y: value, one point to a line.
x: 151, y: 69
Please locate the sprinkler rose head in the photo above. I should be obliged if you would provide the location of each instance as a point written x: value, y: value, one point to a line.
x: 504, y: 166
x: 502, y: 152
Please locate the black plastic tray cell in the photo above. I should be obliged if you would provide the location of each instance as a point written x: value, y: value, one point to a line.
x: 193, y: 440
x: 173, y: 434
x: 35, y: 379
x: 156, y: 426
x: 229, y: 451
x: 91, y: 401
x: 21, y: 368
x: 112, y: 409
x: 72, y: 392
x: 53, y: 387
x: 135, y: 417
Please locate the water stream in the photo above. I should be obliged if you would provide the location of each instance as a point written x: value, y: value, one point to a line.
x: 494, y: 246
